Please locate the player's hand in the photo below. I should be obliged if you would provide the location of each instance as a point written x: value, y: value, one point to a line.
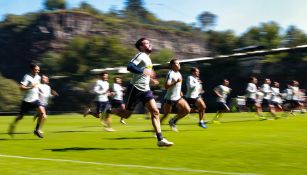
x: 154, y: 81
x: 34, y: 85
x: 149, y: 72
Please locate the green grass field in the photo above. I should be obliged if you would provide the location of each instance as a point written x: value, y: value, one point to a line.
x: 77, y: 145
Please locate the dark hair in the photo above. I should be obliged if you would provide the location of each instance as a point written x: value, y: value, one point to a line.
x: 251, y: 78
x: 139, y: 43
x: 33, y: 65
x: 103, y: 73
x: 172, y: 62
x: 193, y: 69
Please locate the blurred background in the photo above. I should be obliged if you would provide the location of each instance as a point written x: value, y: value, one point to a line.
x: 72, y: 40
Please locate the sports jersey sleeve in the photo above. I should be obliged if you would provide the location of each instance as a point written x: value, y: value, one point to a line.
x: 191, y: 82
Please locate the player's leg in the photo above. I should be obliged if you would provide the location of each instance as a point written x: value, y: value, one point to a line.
x: 167, y: 109
x: 201, y: 106
x: 183, y: 109
x: 155, y: 119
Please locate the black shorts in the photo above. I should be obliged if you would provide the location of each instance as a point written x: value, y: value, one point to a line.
x: 116, y: 103
x: 222, y: 106
x: 192, y: 102
x: 265, y: 103
x: 171, y: 102
x: 102, y: 106
x: 250, y: 102
x: 135, y: 96
x: 27, y: 106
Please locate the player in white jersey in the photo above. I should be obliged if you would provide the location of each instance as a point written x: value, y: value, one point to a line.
x: 29, y: 84
x: 103, y: 106
x: 139, y: 90
x: 117, y: 93
x: 276, y: 100
x: 221, y: 91
x: 173, y: 96
x: 267, y: 94
x: 45, y: 93
x: 296, y: 97
x: 193, y: 95
x: 251, y: 96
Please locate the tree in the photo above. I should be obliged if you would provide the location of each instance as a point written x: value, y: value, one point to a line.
x: 221, y: 42
x: 84, y: 6
x: 135, y: 10
x: 295, y: 37
x: 10, y: 94
x: 267, y: 35
x: 206, y: 20
x: 55, y: 4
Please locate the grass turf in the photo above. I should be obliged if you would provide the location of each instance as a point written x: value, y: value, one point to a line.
x: 77, y: 145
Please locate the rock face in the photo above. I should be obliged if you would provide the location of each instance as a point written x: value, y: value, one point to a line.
x: 51, y: 31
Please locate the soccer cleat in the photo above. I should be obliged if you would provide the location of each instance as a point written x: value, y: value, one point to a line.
x: 202, y: 125
x: 109, y: 129
x: 172, y: 124
x: 87, y: 111
x: 122, y: 121
x: 164, y: 142
x: 38, y: 133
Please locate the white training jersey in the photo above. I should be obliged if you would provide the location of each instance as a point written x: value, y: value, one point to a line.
x: 296, y: 93
x: 141, y: 81
x: 267, y: 91
x: 100, y: 89
x: 251, y: 91
x: 31, y: 94
x: 194, y: 87
x: 276, y: 96
x: 118, y: 90
x: 44, y: 93
x: 174, y: 92
x: 224, y: 91
x: 288, y: 93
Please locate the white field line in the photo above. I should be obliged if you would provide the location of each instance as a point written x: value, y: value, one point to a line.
x: 127, y: 165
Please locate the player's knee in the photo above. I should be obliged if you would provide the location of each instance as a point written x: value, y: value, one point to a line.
x: 155, y: 112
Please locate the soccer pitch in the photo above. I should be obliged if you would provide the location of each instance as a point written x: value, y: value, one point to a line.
x: 76, y: 145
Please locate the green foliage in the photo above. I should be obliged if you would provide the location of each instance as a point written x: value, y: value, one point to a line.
x: 135, y: 11
x: 295, y: 37
x: 274, y: 58
x: 19, y: 23
x: 221, y: 42
x: 206, y: 20
x: 84, y: 6
x: 267, y: 35
x: 55, y: 4
x: 51, y: 62
x: 10, y: 94
x: 162, y: 56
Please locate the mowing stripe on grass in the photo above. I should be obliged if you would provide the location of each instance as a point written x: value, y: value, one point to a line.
x: 126, y: 165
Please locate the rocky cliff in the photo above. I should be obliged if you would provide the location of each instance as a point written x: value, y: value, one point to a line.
x: 51, y: 31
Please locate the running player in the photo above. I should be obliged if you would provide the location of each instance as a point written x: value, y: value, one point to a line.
x: 103, y: 106
x: 173, y: 96
x: 117, y: 96
x: 193, y: 95
x: 29, y: 84
x: 221, y: 92
x: 45, y: 92
x: 251, y: 96
x: 139, y: 89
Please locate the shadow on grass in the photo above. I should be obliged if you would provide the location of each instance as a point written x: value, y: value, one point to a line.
x: 72, y: 131
x: 129, y: 138
x: 94, y: 149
